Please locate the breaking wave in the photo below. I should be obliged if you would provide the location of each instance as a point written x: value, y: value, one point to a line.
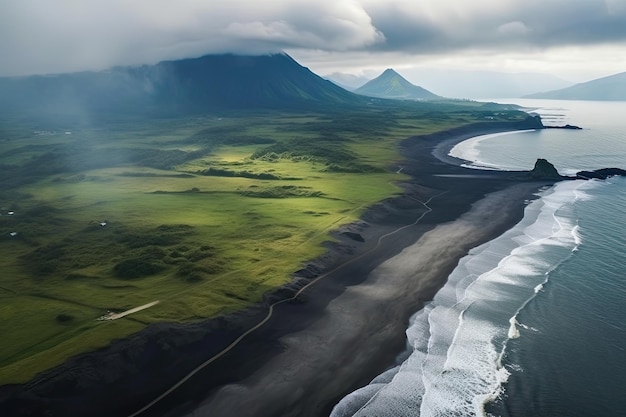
x: 456, y: 343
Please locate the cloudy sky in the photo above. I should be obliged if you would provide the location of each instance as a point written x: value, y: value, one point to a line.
x: 575, y: 39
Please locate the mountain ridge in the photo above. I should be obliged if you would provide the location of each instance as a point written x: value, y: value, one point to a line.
x: 610, y: 88
x: 392, y: 85
x: 210, y: 82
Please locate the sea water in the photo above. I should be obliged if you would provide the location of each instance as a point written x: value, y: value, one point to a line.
x: 532, y: 323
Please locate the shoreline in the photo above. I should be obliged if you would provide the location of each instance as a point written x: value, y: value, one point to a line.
x: 339, y: 333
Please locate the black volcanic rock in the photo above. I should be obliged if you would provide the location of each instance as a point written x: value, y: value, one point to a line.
x: 569, y: 127
x: 601, y: 174
x: 534, y: 121
x: 544, y: 170
x: 354, y: 236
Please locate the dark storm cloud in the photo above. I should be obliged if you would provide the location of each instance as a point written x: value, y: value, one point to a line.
x: 445, y: 25
x: 42, y: 36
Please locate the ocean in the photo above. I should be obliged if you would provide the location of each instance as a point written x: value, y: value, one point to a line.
x: 532, y: 323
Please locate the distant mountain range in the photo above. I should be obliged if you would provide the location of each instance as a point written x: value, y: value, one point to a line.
x: 466, y: 84
x: 196, y: 85
x: 392, y: 85
x: 212, y: 82
x: 460, y: 83
x: 611, y: 88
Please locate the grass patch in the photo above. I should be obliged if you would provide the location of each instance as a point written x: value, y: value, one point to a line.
x: 283, y: 191
x: 217, y: 172
x: 204, y: 214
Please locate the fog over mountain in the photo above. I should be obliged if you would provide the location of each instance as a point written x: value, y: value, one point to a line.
x: 348, y: 81
x: 211, y: 82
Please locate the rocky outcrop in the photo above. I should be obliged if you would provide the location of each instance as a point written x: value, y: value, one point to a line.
x: 544, y: 170
x: 601, y: 174
x: 534, y: 121
x: 570, y: 127
x: 353, y: 236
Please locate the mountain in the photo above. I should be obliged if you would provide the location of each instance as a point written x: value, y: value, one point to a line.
x: 390, y: 84
x: 212, y: 82
x: 348, y: 81
x: 466, y: 84
x: 461, y: 83
x: 611, y: 88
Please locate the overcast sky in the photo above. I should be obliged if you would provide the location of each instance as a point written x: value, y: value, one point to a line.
x: 575, y: 39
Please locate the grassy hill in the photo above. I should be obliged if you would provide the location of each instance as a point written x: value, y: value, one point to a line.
x: 392, y: 85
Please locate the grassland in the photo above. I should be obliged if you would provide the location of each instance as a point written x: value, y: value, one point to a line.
x: 205, y: 214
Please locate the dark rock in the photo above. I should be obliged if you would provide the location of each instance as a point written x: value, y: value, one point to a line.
x: 338, y: 247
x: 533, y: 121
x: 571, y: 127
x: 354, y: 236
x: 310, y: 271
x: 544, y: 170
x: 601, y: 174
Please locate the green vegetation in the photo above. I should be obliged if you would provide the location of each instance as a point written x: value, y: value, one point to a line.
x: 217, y: 172
x: 390, y: 84
x: 205, y: 214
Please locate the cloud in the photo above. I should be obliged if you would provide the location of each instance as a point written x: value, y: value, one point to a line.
x: 344, y: 25
x: 66, y: 35
x: 40, y: 36
x: 448, y: 25
x: 516, y: 28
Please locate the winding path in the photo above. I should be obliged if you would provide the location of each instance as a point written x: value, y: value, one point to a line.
x: 116, y: 316
x: 270, y: 311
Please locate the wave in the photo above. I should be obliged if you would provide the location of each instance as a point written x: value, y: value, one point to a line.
x: 458, y: 341
x: 468, y: 150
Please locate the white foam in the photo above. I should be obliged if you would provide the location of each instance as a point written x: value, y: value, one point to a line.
x: 468, y: 150
x: 513, y: 331
x: 503, y: 375
x: 458, y: 340
x: 577, y: 238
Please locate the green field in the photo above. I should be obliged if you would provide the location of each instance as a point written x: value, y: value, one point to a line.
x: 204, y: 214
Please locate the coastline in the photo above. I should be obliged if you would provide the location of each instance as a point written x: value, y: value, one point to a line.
x: 339, y: 333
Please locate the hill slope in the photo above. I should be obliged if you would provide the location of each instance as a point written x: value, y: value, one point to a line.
x: 246, y: 81
x: 611, y: 88
x: 390, y: 84
x: 183, y: 86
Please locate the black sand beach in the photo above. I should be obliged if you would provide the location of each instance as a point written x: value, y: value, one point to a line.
x: 341, y: 331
